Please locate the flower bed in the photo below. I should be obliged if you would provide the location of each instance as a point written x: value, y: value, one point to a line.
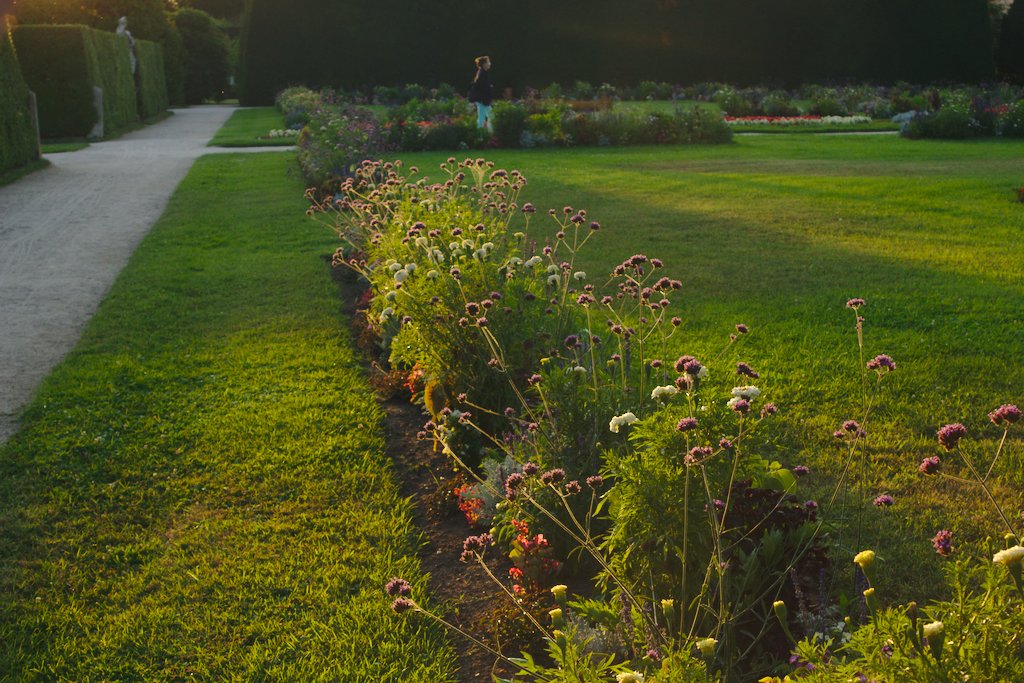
x: 595, y: 452
x: 806, y: 120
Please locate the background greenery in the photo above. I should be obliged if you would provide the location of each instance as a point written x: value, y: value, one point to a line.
x: 785, y: 42
x: 199, y: 490
x: 18, y: 143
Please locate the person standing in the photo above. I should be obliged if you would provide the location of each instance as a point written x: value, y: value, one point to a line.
x: 480, y: 92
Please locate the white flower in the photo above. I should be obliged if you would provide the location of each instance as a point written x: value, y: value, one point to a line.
x: 703, y: 372
x: 488, y: 245
x: 391, y: 296
x: 515, y: 261
x: 432, y: 274
x: 1010, y: 556
x: 629, y: 677
x: 387, y: 313
x: 480, y: 254
x: 394, y: 267
x: 933, y: 630
x: 439, y: 256
x: 401, y: 275
x: 734, y: 400
x: 422, y: 242
x: 553, y: 269
x: 454, y: 246
x: 579, y: 275
x: 666, y: 391
x: 553, y: 280
x: 747, y: 392
x: 410, y: 268
x: 620, y: 421
x: 534, y: 260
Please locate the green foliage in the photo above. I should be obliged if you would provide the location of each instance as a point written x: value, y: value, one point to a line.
x: 205, y: 49
x: 174, y: 65
x: 62, y: 64
x: 200, y: 489
x: 146, y: 19
x: 335, y: 141
x: 1013, y: 120
x: 219, y: 9
x: 1010, y: 50
x: 980, y: 636
x: 151, y: 79
x: 18, y: 143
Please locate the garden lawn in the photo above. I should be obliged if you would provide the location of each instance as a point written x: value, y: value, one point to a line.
x: 251, y: 127
x: 778, y: 232
x: 199, y: 490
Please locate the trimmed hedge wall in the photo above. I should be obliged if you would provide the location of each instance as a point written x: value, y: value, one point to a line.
x: 358, y: 43
x: 62, y: 64
x: 150, y: 79
x: 17, y: 136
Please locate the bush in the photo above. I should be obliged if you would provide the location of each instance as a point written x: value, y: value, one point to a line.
x: 206, y: 55
x: 1013, y: 120
x: 509, y: 122
x: 151, y: 81
x: 18, y: 144
x: 336, y: 140
x: 62, y: 64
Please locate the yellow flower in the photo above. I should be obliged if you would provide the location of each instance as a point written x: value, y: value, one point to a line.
x: 707, y: 646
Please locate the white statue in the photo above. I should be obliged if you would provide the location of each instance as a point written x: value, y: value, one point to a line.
x: 122, y: 30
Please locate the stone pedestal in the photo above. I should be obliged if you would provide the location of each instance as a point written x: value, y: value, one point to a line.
x: 97, y: 102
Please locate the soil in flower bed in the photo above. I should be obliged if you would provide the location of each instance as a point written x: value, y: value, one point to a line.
x: 462, y: 594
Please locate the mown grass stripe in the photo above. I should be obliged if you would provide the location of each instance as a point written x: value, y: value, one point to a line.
x: 199, y: 490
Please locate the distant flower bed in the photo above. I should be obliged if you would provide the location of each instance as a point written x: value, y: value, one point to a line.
x: 808, y: 120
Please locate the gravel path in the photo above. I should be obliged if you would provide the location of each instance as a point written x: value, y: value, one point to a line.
x: 68, y: 230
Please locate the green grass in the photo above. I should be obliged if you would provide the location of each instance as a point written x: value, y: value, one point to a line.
x: 61, y: 147
x: 199, y: 490
x: 250, y: 128
x: 778, y: 232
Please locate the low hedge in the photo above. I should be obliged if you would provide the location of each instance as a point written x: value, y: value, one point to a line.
x: 17, y: 137
x: 62, y: 64
x: 151, y: 82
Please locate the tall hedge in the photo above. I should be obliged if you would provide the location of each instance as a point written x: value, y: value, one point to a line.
x: 1010, y: 53
x: 351, y: 43
x: 17, y: 135
x: 206, y: 55
x: 62, y: 64
x: 150, y: 79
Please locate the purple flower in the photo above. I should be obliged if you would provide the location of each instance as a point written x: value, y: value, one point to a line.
x: 740, y: 405
x: 769, y: 409
x: 514, y: 481
x: 476, y: 544
x: 472, y: 308
x: 534, y: 380
x: 1005, y: 413
x: 402, y: 605
x: 811, y: 505
x: 699, y: 452
x: 943, y: 542
x: 530, y: 469
x: 801, y: 470
x: 881, y: 361
x: 573, y: 487
x: 686, y: 424
x: 950, y: 435
x: 851, y: 426
x: 529, y: 208
x: 398, y: 587
x: 677, y: 321
x: 553, y: 476
x: 855, y: 303
x: 884, y: 501
x: 481, y: 322
x: 930, y: 465
x: 725, y: 444
x: 744, y: 369
x: 595, y: 481
x: 742, y: 329
x: 594, y: 225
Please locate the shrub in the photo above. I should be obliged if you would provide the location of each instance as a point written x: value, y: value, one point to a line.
x: 206, y: 55
x: 946, y: 124
x: 509, y: 122
x: 62, y: 64
x: 1013, y: 120
x: 151, y: 81
x: 18, y: 144
x: 334, y: 143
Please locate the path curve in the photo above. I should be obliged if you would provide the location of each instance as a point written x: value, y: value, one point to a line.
x: 68, y: 230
